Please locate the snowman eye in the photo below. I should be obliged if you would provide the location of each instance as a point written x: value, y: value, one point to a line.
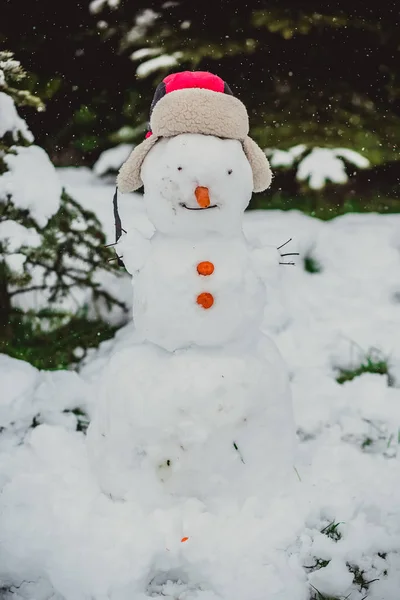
x: 179, y: 168
x: 229, y: 171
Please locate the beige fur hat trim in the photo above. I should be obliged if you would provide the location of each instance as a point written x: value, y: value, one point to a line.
x: 197, y: 110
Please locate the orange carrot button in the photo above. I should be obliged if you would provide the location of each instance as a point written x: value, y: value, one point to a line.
x: 205, y: 268
x: 184, y: 539
x: 205, y: 299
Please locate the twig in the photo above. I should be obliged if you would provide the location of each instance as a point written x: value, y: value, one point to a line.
x: 115, y: 258
x: 24, y: 290
x: 238, y: 451
x: 289, y: 240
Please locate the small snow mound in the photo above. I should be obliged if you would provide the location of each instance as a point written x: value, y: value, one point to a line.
x: 333, y: 580
x: 111, y: 160
x: 32, y: 181
x: 29, y: 397
x: 18, y: 382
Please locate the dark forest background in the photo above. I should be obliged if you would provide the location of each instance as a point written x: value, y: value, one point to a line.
x: 323, y: 74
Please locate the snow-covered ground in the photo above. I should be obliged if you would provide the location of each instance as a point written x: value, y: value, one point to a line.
x: 336, y: 534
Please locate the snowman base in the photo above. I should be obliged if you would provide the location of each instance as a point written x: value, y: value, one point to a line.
x: 207, y: 423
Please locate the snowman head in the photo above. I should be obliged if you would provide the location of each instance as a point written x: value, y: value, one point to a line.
x: 195, y: 115
x: 196, y: 184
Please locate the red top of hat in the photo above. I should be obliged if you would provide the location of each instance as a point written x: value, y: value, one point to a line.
x: 188, y: 80
x: 193, y: 79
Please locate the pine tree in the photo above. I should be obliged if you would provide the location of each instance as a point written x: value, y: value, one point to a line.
x: 52, y: 251
x: 309, y: 72
x: 312, y: 72
x: 321, y: 74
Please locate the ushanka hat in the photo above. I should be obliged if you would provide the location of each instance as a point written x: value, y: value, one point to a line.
x: 195, y: 102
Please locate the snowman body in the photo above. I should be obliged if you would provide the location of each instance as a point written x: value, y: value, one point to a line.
x: 208, y: 423
x: 201, y: 408
x: 175, y: 280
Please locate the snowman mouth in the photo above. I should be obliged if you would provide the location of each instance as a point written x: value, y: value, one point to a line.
x: 197, y: 208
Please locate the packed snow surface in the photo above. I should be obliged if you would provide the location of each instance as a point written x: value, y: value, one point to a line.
x: 335, y: 530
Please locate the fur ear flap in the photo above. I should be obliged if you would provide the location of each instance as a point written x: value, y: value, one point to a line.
x: 129, y: 179
x: 262, y: 175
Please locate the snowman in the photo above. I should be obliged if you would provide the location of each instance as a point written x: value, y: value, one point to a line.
x: 200, y: 406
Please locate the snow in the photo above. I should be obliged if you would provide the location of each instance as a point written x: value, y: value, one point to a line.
x: 111, y: 160
x: 32, y: 182
x: 159, y: 62
x: 48, y: 396
x: 35, y: 185
x: 353, y: 157
x: 318, y: 166
x: 62, y: 538
x: 14, y: 236
x: 216, y: 386
x: 96, y: 6
x: 147, y: 17
x: 145, y: 52
x: 15, y: 262
x: 185, y: 237
x: 324, y: 164
x: 285, y: 158
x: 10, y: 121
x: 333, y: 580
x: 144, y: 19
x: 223, y: 168
x: 191, y: 406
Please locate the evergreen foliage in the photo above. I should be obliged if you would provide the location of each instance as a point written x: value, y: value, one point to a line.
x: 52, y: 251
x: 318, y: 73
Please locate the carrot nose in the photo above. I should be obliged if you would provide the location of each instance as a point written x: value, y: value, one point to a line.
x: 202, y: 197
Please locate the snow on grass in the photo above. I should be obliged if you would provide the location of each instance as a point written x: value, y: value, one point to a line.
x: 334, y: 535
